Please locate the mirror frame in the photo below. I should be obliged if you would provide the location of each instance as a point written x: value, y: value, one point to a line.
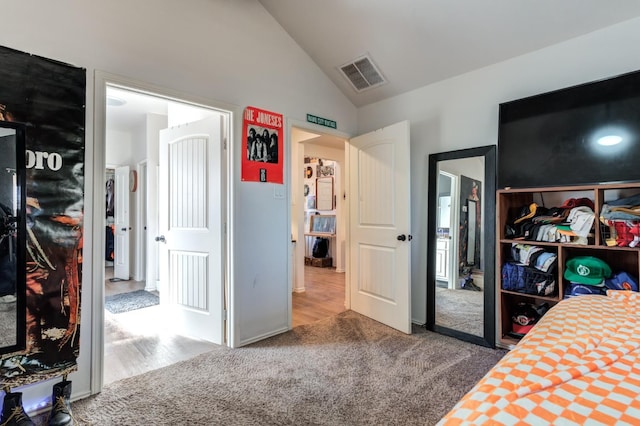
x: 489, y: 236
x: 21, y: 241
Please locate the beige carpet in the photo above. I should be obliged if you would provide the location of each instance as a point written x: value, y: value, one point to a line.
x: 346, y: 370
x: 7, y: 324
x: 461, y: 310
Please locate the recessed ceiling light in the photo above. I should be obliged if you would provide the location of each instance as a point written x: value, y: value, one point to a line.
x: 113, y: 101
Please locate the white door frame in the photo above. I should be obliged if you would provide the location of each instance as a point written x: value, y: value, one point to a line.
x: 141, y: 225
x: 296, y: 166
x: 95, y: 199
x: 122, y: 225
x: 454, y: 217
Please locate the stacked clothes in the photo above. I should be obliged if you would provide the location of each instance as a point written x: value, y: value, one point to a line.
x: 533, y: 256
x: 570, y: 223
x: 530, y: 270
x: 622, y: 216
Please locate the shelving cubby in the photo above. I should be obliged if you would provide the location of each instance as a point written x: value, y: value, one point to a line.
x: 509, y: 205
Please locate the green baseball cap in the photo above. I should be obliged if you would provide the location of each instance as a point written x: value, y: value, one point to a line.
x: 586, y: 270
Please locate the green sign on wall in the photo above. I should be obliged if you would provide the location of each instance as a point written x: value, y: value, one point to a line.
x: 321, y: 121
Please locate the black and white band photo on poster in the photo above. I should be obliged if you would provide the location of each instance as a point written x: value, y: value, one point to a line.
x: 262, y: 133
x: 262, y: 144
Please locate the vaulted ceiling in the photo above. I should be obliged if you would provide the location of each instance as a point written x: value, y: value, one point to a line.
x: 414, y: 43
x: 417, y: 42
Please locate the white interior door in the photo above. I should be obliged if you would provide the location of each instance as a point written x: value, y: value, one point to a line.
x: 379, y: 241
x: 121, y: 224
x: 190, y: 244
x: 454, y: 233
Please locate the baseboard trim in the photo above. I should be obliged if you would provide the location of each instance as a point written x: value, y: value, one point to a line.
x: 263, y: 336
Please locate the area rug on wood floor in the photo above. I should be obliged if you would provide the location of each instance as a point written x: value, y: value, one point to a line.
x: 345, y: 370
x: 125, y: 302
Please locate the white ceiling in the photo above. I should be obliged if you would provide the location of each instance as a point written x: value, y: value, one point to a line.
x: 414, y: 42
x: 418, y: 42
x: 133, y: 110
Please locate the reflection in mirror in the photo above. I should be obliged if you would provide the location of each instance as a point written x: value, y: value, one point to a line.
x: 459, y: 302
x: 460, y: 280
x: 12, y: 321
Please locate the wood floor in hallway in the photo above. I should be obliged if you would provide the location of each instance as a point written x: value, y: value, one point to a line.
x: 323, y: 297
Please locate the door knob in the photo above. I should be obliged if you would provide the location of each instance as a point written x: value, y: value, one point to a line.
x: 161, y: 239
x: 402, y: 237
x: 123, y: 229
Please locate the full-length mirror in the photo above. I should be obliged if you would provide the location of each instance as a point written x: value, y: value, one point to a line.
x: 12, y: 237
x: 460, y: 275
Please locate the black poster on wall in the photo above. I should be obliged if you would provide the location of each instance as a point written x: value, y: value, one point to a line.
x: 470, y: 190
x: 49, y: 97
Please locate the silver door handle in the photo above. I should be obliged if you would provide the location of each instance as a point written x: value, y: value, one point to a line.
x: 161, y: 239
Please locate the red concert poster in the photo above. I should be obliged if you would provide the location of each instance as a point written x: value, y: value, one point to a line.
x: 262, y: 140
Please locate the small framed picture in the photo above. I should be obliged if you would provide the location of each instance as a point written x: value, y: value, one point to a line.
x: 324, y: 171
x: 324, y: 193
x: 323, y: 224
x: 311, y: 202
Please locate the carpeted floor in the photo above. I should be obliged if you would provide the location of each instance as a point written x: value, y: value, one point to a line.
x: 7, y: 324
x: 460, y: 310
x: 346, y: 370
x: 125, y: 302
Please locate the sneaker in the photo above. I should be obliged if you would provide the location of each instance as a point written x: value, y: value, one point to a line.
x: 9, y: 298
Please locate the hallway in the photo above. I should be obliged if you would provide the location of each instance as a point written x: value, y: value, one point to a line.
x: 323, y: 297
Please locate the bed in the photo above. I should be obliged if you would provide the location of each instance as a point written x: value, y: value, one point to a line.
x: 579, y: 365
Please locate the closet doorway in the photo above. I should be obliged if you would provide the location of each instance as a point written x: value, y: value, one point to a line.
x: 318, y: 226
x: 136, y: 339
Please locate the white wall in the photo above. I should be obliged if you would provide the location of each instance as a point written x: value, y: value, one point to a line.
x: 119, y: 151
x: 462, y: 112
x: 227, y: 51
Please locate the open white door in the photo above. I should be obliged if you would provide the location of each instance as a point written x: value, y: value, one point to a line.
x: 190, y: 244
x: 121, y: 224
x: 379, y: 226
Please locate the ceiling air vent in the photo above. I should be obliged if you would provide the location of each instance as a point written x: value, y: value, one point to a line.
x: 362, y: 74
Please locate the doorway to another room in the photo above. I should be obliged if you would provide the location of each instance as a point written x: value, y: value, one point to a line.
x: 318, y: 222
x: 137, y: 335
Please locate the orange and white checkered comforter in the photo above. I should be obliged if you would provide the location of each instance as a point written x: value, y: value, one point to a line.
x: 580, y: 365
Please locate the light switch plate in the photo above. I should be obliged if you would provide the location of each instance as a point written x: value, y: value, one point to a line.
x: 278, y: 192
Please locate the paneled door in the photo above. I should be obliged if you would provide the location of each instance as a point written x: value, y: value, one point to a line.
x: 379, y: 226
x: 191, y: 228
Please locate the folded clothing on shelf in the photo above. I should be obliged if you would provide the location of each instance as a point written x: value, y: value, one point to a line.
x: 571, y: 223
x: 523, y: 279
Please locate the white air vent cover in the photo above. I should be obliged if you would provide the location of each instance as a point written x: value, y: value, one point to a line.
x: 362, y: 74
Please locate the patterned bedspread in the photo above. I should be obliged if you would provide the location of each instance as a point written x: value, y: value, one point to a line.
x: 580, y: 365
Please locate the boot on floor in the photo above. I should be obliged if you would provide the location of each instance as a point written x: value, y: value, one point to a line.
x: 61, y: 409
x: 13, y: 413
